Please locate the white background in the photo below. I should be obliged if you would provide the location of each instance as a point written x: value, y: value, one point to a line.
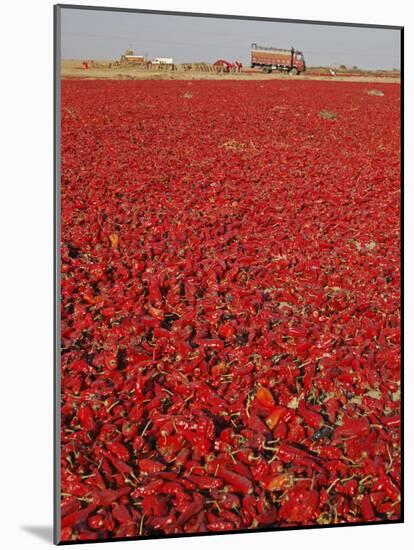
x: 26, y: 291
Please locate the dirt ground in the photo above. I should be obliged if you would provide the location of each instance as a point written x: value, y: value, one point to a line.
x: 74, y: 69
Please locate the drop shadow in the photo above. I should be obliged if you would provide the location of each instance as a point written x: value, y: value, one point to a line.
x: 44, y: 533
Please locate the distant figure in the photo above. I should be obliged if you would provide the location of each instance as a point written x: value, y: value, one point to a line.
x: 85, y: 65
x: 332, y: 72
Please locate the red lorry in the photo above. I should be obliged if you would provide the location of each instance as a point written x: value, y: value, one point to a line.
x: 277, y: 59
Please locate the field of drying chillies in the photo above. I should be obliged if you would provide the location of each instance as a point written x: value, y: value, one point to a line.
x: 230, y: 306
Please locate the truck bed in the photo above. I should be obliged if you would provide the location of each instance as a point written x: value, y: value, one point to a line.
x: 278, y: 57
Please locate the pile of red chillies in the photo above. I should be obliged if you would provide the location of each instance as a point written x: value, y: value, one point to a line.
x: 230, y: 283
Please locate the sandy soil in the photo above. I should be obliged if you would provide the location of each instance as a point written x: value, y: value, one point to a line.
x: 74, y: 69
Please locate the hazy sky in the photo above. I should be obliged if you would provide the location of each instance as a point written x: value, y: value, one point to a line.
x: 92, y: 34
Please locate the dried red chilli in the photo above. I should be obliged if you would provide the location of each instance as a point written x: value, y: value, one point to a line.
x: 230, y: 323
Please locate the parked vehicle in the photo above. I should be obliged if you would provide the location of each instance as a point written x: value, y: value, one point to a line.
x: 163, y: 61
x: 277, y: 59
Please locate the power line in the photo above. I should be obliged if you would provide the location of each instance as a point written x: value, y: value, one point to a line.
x: 197, y: 30
x: 137, y: 39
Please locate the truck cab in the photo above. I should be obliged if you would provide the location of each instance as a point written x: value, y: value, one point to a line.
x: 299, y: 62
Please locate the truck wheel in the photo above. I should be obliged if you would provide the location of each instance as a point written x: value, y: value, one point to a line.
x: 293, y: 71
